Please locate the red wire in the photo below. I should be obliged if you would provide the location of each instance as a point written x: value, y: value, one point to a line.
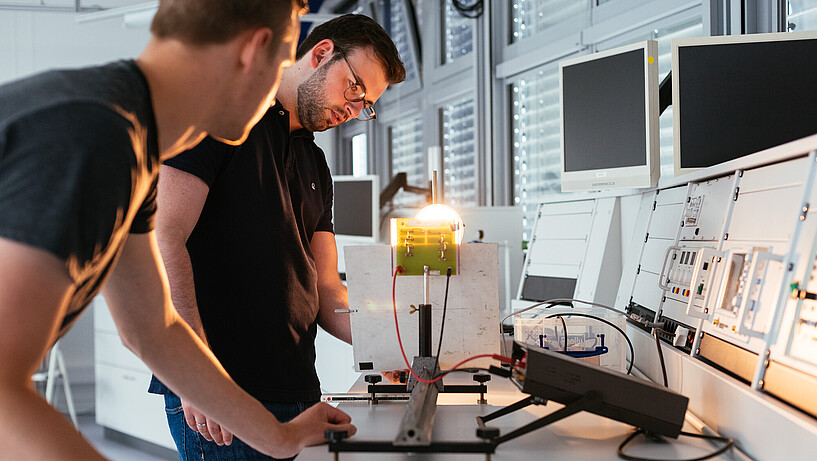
x: 400, y: 270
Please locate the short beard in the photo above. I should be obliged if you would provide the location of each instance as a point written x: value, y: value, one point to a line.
x: 311, y: 95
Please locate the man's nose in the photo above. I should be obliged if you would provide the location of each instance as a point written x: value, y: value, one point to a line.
x: 354, y: 108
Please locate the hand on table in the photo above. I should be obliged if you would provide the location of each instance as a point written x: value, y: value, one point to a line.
x: 308, y: 428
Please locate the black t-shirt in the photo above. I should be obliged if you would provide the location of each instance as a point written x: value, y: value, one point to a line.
x: 78, y: 166
x: 255, y: 276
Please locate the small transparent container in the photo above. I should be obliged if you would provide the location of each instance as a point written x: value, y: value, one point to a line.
x: 587, y: 338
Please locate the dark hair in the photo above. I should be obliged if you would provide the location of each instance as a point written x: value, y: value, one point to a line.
x: 217, y: 21
x: 352, y: 31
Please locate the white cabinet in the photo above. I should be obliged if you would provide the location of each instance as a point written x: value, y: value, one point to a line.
x: 122, y: 401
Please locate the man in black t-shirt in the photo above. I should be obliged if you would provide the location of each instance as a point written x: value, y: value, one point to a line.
x: 247, y: 238
x: 79, y: 157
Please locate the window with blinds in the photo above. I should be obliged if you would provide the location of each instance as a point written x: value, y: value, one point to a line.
x: 458, y: 34
x: 400, y: 35
x: 535, y: 143
x: 459, y: 153
x: 801, y: 15
x: 406, y: 147
x: 529, y: 17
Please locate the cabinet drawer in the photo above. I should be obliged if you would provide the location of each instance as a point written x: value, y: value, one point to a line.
x: 123, y: 404
x: 109, y: 350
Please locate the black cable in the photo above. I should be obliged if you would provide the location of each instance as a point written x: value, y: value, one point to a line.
x: 442, y: 324
x: 629, y: 343
x: 660, y: 355
x: 472, y: 10
x: 729, y: 444
x: 564, y: 326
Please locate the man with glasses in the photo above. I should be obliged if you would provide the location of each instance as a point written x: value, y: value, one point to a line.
x: 247, y: 237
x: 80, y: 151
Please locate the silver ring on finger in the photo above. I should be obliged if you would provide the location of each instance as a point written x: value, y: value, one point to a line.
x: 201, y: 424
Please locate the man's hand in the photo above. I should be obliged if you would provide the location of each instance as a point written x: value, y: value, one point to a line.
x: 208, y: 428
x: 308, y: 428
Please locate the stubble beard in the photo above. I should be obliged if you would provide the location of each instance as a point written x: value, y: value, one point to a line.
x: 311, y: 95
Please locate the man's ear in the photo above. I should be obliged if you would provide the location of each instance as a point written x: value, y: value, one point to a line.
x: 321, y: 53
x: 257, y: 44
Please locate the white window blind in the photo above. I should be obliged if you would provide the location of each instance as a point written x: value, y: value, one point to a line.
x: 535, y: 140
x: 458, y: 34
x: 406, y: 146
x: 400, y: 36
x: 459, y: 153
x: 529, y: 17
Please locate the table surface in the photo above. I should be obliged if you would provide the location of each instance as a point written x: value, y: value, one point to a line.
x: 583, y: 436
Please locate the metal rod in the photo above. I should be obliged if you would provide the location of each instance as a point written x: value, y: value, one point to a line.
x: 434, y: 186
x: 425, y: 330
x: 425, y: 318
x: 418, y: 421
x: 426, y: 299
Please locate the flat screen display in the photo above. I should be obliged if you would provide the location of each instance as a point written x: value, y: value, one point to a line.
x: 354, y: 209
x: 739, y: 95
x: 609, y: 118
x: 604, y: 117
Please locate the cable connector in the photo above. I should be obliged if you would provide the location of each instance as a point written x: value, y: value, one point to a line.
x: 505, y: 373
x: 503, y: 359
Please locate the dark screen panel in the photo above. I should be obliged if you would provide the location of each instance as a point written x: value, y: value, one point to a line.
x: 604, y: 113
x: 353, y: 208
x: 539, y: 288
x: 740, y: 98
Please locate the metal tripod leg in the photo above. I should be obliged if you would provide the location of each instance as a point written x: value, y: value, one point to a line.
x: 56, y: 369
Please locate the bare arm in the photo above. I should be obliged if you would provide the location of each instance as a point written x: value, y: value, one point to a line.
x: 180, y: 199
x: 137, y: 296
x: 34, y: 290
x: 331, y: 292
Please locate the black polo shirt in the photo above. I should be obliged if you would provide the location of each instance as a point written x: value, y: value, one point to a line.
x: 255, y: 275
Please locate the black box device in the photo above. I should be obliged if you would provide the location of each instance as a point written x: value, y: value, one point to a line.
x: 557, y: 377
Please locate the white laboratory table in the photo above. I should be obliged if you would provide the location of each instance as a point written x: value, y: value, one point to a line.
x: 582, y: 436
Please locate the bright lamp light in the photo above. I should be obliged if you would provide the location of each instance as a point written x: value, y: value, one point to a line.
x: 439, y: 212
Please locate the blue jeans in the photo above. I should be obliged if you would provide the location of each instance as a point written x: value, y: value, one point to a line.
x: 193, y: 447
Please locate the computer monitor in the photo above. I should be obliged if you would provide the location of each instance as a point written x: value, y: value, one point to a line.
x: 609, y: 119
x: 356, y: 212
x: 739, y: 94
x: 356, y: 208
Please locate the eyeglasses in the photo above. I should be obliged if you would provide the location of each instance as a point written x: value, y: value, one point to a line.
x: 357, y: 93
